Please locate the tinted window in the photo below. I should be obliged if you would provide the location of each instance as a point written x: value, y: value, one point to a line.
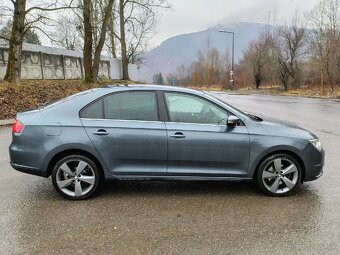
x: 131, y: 106
x: 191, y: 109
x: 93, y: 111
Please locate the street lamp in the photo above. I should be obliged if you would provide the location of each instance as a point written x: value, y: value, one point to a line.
x: 232, y: 57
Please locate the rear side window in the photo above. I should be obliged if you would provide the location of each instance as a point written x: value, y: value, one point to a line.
x: 93, y: 111
x: 136, y: 105
x: 140, y: 105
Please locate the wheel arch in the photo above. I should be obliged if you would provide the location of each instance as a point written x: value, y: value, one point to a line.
x: 67, y: 152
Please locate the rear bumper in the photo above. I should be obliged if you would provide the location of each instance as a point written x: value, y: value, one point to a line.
x: 26, y: 161
x: 29, y: 170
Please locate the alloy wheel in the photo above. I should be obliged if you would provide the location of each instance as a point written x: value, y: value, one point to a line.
x: 75, y: 178
x: 280, y: 175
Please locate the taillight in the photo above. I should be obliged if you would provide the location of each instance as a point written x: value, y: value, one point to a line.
x: 17, y: 127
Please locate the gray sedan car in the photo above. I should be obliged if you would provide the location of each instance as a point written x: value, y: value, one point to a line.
x: 158, y: 132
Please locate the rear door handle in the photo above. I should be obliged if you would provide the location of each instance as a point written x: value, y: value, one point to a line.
x: 101, y: 132
x: 178, y: 135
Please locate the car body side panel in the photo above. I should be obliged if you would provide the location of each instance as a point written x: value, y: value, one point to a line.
x: 131, y: 147
x: 208, y: 150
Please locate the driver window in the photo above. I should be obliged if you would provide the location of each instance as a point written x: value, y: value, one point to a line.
x: 191, y: 109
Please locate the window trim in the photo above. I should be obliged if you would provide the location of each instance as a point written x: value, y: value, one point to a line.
x: 155, y: 92
x: 164, y: 112
x: 119, y: 120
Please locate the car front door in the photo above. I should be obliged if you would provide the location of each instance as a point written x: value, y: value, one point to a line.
x: 199, y: 141
x: 125, y: 129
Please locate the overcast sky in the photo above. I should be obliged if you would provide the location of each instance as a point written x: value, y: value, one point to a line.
x: 188, y: 16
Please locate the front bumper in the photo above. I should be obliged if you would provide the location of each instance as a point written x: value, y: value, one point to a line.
x: 314, y: 161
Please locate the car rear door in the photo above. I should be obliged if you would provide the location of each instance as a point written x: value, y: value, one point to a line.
x: 125, y: 129
x: 199, y: 141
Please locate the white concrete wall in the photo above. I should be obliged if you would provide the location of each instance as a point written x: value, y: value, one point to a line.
x: 133, y: 72
x: 115, y: 69
x: 41, y: 62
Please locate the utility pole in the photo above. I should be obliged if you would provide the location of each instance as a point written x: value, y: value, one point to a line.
x: 232, y: 57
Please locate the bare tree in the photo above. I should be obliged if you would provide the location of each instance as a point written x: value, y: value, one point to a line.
x: 213, y: 67
x: 127, y: 34
x: 197, y: 70
x: 25, y: 19
x: 182, y: 75
x: 68, y: 32
x: 13, y: 72
x: 91, y: 60
x: 122, y: 38
x: 258, y: 55
x: 290, y: 48
x: 210, y: 68
x: 137, y: 20
x: 112, y: 44
x: 324, y: 39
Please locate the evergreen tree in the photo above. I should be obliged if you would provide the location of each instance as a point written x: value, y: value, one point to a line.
x: 158, y: 79
x: 29, y: 37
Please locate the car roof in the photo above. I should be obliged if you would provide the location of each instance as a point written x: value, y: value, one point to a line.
x: 152, y: 87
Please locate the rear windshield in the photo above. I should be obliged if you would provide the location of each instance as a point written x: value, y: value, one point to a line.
x: 65, y: 99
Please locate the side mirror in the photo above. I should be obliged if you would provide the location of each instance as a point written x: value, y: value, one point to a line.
x: 232, y: 121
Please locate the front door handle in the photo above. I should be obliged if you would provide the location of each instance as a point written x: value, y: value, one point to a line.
x: 101, y: 132
x: 178, y: 135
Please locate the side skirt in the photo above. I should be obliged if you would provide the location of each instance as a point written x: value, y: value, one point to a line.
x: 179, y: 178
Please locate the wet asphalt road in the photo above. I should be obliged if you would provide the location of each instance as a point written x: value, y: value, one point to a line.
x: 182, y: 217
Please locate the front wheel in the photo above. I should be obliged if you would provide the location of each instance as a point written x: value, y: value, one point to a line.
x: 279, y: 175
x: 76, y: 177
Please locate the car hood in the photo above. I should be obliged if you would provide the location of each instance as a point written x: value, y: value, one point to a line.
x: 279, y: 128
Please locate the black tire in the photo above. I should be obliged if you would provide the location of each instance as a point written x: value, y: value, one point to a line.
x: 268, y: 165
x: 71, y: 161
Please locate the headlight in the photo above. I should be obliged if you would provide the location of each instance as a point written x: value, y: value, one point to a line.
x: 316, y: 143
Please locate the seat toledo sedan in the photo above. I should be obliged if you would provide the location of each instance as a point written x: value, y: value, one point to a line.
x: 158, y: 132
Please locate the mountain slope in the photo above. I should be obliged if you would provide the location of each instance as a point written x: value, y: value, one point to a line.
x: 183, y: 49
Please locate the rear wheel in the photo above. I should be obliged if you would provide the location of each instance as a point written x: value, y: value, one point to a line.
x: 279, y: 175
x: 76, y: 177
